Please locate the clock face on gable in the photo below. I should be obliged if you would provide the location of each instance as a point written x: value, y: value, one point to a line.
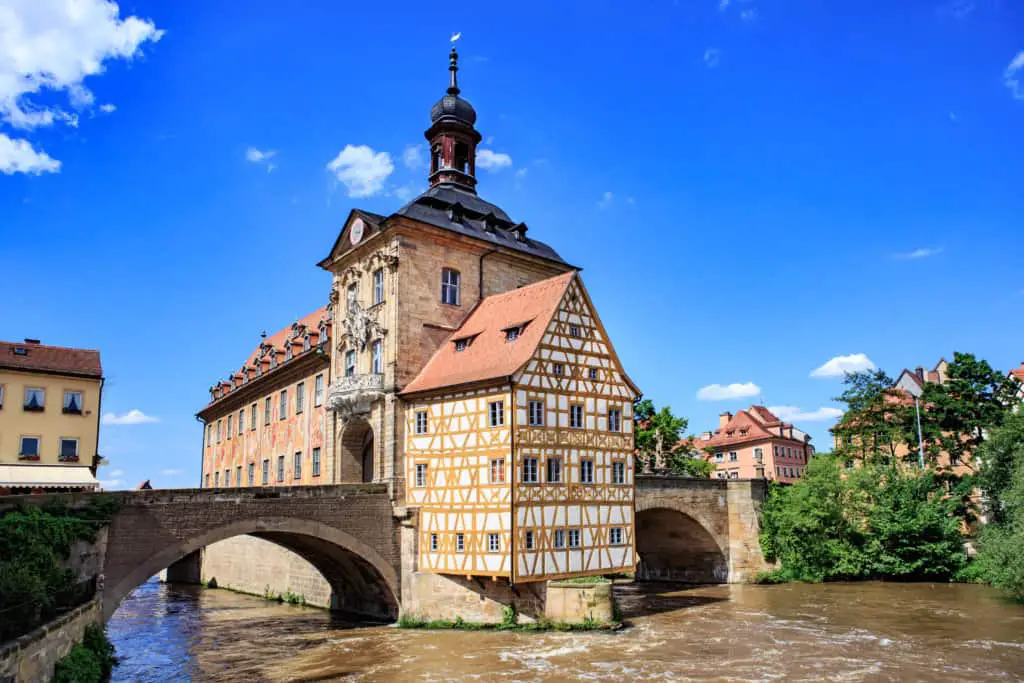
x: 356, y: 231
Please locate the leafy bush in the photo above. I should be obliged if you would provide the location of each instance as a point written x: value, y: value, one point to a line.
x: 1001, y: 545
x: 90, y: 662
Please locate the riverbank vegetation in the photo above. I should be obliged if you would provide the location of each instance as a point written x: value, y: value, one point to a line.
x: 90, y: 662
x: 510, y: 622
x: 870, y: 510
x: 36, y: 583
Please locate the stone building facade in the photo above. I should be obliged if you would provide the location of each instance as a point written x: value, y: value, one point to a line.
x: 403, y: 288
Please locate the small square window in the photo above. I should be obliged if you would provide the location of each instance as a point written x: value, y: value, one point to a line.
x: 574, y: 538
x: 558, y: 369
x: 68, y: 450
x: 576, y: 416
x: 421, y: 474
x: 574, y: 330
x: 460, y: 542
x: 73, y: 402
x: 719, y: 457
x: 528, y: 540
x: 493, y: 543
x: 559, y: 539
x: 433, y: 542
x: 615, y: 535
x: 496, y: 413
x: 529, y: 470
x: 421, y: 422
x: 35, y: 399
x: 733, y: 456
x: 592, y: 373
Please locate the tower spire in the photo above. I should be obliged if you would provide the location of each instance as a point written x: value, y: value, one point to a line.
x: 453, y: 67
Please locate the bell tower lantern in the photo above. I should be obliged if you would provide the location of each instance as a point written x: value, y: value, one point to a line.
x: 452, y: 137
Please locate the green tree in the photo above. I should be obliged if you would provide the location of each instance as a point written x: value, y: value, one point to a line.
x: 873, y: 426
x: 998, y: 458
x: 1001, y: 543
x: 658, y: 440
x: 956, y: 415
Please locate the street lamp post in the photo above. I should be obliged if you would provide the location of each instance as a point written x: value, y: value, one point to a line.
x: 916, y: 392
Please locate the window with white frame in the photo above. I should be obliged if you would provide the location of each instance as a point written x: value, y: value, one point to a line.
x: 73, y: 402
x: 68, y: 449
x: 759, y: 455
x: 421, y: 474
x: 350, y: 363
x: 377, y: 357
x: 586, y: 471
x: 618, y: 472
x: 576, y: 416
x: 229, y: 426
x: 297, y: 466
x: 209, y: 434
x: 318, y: 390
x: 421, y: 422
x: 433, y: 542
x: 219, y: 427
x: 719, y: 457
x: 528, y: 540
x: 496, y: 413
x: 266, y: 471
x: 614, y: 420
x: 35, y: 399
x: 280, y: 468
x: 574, y: 538
x: 554, y: 466
x: 536, y: 416
x: 378, y: 286
x: 450, y: 286
x: 282, y: 411
x: 316, y: 461
x: 460, y: 542
x: 241, y: 420
x: 305, y: 342
x: 493, y: 543
x: 497, y: 471
x: 559, y: 539
x: 529, y: 470
x: 733, y: 456
x: 300, y: 397
x: 615, y: 535
x: 216, y: 479
x: 266, y: 410
x: 252, y: 474
x: 252, y: 417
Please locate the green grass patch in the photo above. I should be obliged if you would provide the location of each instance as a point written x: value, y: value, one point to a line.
x: 411, y: 621
x: 585, y: 580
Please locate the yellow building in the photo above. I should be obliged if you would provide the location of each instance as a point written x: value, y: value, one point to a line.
x: 49, y: 417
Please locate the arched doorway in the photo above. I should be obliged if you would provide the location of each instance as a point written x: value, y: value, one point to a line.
x: 362, y: 580
x: 673, y: 546
x: 356, y: 457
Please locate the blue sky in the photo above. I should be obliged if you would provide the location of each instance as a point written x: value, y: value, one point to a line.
x: 752, y: 188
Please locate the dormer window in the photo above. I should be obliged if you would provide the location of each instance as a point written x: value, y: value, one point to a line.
x: 512, y: 333
x: 288, y: 353
x: 273, y: 360
x: 259, y: 369
x: 20, y: 351
x: 455, y: 213
x: 305, y: 342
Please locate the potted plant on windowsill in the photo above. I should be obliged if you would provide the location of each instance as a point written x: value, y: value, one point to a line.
x: 33, y: 408
x: 72, y: 411
x: 28, y: 456
x: 68, y: 458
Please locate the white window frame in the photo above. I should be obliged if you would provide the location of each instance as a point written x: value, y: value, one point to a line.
x: 300, y: 397
x: 316, y: 462
x: 734, y: 456
x: 496, y: 413
x: 282, y: 406
x: 280, y: 468
x: 576, y: 417
x: 377, y: 357
x: 266, y: 472
x: 41, y: 391
x: 60, y: 449
x: 241, y: 421
x: 350, y: 363
x: 574, y: 538
x: 420, y: 475
x: 615, y: 536
x: 460, y: 542
x: 496, y: 471
x: 586, y: 470
x: 553, y: 466
x: 618, y: 472
x: 378, y: 286
x: 614, y: 420
x: 268, y: 409
x: 318, y: 390
x: 529, y: 540
x: 433, y: 543
x: 252, y: 474
x: 81, y: 401
x: 558, y: 542
x: 451, y: 281
x: 297, y: 465
x: 536, y: 413
x: 422, y: 425
x: 530, y: 474
x: 229, y: 426
x: 719, y: 457
x: 493, y: 543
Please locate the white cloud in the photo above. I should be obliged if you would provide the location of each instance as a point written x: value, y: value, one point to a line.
x: 414, y: 157
x: 794, y: 414
x: 606, y: 200
x: 111, y: 483
x: 720, y: 392
x: 171, y: 473
x: 712, y: 57
x: 723, y: 5
x: 49, y: 47
x: 748, y: 14
x: 257, y: 156
x: 1011, y: 77
x: 521, y: 173
x: 840, y: 365
x: 918, y: 253
x: 18, y: 156
x: 406, y: 192
x: 108, y: 108
x: 117, y: 473
x: 361, y: 170
x: 492, y: 161
x: 132, y: 417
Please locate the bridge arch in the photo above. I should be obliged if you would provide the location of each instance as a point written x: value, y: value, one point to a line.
x: 675, y: 544
x: 363, y: 580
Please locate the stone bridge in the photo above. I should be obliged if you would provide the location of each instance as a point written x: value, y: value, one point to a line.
x: 692, y: 530
x: 348, y: 532
x: 699, y: 530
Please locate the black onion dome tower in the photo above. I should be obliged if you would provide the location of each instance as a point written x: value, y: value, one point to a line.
x: 452, y: 137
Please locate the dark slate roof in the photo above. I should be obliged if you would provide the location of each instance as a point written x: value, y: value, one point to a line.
x: 434, y: 207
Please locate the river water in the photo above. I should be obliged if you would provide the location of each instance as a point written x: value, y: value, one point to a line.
x: 839, y: 632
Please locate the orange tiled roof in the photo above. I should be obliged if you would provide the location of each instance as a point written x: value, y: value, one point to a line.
x: 746, y: 426
x: 55, y: 359
x: 488, y: 356
x: 765, y: 416
x: 1018, y: 372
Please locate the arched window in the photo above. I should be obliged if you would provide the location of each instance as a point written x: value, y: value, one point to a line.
x: 450, y: 286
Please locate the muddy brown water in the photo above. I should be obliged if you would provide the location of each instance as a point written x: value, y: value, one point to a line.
x: 838, y: 632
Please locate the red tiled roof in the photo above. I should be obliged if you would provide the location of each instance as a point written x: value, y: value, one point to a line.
x: 747, y: 426
x: 766, y: 416
x: 1018, y: 372
x: 488, y: 356
x: 55, y: 359
x: 278, y: 339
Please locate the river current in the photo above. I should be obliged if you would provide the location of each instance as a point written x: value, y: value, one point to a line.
x: 839, y: 632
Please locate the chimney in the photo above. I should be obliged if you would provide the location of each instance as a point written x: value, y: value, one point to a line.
x: 36, y: 342
x: 723, y: 419
x: 705, y: 436
x: 920, y: 373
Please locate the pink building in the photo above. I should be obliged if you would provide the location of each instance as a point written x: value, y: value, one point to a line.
x: 755, y: 444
